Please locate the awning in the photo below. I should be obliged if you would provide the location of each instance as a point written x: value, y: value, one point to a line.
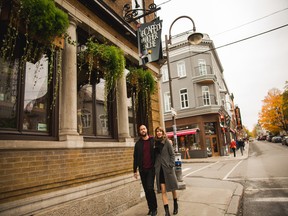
x: 183, y: 132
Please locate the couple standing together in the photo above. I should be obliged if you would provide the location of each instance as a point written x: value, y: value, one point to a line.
x: 156, y: 157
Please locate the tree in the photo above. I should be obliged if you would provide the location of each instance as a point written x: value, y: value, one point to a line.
x: 271, y: 116
x: 285, y: 104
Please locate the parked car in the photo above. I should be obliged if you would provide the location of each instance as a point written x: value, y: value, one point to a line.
x: 285, y: 140
x: 269, y: 138
x: 276, y: 139
x: 263, y: 137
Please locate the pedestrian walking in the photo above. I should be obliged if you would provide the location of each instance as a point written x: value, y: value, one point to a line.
x: 241, y: 145
x: 166, y: 179
x: 144, y: 159
x: 233, y: 147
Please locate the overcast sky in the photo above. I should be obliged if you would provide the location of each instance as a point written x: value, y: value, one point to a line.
x: 251, y: 67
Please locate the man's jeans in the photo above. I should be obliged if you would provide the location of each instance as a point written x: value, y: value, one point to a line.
x: 147, y: 179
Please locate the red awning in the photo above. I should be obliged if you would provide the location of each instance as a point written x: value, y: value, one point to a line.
x: 183, y: 132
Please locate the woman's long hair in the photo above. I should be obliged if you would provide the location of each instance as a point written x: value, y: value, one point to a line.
x: 164, y: 136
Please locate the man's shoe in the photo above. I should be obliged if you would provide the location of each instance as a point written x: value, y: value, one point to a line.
x: 154, y: 213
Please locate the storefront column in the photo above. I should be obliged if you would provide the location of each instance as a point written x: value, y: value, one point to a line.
x: 122, y: 108
x: 68, y: 90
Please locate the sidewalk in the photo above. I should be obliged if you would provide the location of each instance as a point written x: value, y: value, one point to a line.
x: 202, y: 197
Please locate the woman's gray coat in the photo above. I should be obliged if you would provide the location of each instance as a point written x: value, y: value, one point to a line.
x: 166, y: 159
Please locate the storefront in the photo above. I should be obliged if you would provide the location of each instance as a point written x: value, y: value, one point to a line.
x: 197, y: 139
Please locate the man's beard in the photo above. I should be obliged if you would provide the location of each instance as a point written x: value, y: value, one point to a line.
x: 144, y: 134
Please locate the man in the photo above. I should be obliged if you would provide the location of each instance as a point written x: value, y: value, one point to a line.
x: 144, y: 161
x: 241, y: 145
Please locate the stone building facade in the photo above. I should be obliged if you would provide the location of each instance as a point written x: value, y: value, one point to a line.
x: 76, y: 157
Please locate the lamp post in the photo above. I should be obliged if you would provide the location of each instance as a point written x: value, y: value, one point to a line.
x: 195, y: 38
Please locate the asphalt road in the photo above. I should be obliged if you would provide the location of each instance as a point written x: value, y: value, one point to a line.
x: 264, y: 175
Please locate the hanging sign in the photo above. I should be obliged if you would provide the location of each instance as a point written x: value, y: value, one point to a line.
x: 149, y: 41
x: 238, y: 118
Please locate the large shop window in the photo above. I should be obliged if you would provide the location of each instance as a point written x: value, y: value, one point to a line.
x: 25, y: 98
x: 94, y: 117
x: 210, y: 128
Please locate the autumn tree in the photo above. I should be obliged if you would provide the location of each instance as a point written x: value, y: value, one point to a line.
x: 285, y: 104
x: 271, y: 116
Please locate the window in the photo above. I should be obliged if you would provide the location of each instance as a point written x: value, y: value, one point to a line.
x: 210, y: 128
x: 26, y: 105
x: 184, y: 98
x: 165, y: 76
x: 167, y: 102
x: 206, y: 95
x: 86, y: 118
x: 202, y: 67
x: 181, y: 69
x: 95, y: 120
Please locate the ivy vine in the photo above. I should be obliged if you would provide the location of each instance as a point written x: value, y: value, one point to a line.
x: 40, y: 22
x: 142, y: 83
x: 108, y: 59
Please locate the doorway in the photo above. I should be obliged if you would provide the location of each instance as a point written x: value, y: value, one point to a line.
x: 212, y: 143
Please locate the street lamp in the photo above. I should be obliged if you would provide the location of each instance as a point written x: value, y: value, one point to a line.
x: 195, y: 38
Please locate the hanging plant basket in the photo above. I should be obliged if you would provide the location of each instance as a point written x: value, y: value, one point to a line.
x: 141, y: 83
x: 107, y: 59
x: 40, y: 21
x: 35, y: 28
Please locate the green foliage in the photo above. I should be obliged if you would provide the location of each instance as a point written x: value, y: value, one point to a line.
x: 141, y: 80
x: 39, y: 21
x: 45, y: 21
x: 142, y: 83
x: 109, y: 59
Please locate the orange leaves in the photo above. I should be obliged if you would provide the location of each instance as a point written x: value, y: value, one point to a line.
x: 271, y: 116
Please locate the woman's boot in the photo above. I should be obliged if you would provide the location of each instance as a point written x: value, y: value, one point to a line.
x: 166, y: 207
x: 175, y: 210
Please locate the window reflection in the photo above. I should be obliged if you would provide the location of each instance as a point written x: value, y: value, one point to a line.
x: 85, y: 110
x: 36, y: 96
x: 88, y: 106
x: 101, y: 113
x: 210, y: 128
x: 8, y: 94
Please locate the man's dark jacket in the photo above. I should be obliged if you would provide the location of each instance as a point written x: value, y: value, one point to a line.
x: 138, y: 154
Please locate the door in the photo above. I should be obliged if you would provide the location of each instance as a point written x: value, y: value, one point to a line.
x: 212, y: 143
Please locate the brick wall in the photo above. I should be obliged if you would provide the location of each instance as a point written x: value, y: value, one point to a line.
x: 30, y: 172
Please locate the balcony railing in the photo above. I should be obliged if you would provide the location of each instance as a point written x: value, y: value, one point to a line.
x: 206, y: 101
x: 204, y: 74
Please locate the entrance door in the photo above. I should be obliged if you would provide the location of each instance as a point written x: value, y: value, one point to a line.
x: 211, y: 141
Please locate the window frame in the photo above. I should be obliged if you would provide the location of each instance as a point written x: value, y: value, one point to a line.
x: 52, y: 111
x: 184, y: 98
x: 167, y: 102
x: 202, y: 67
x: 181, y: 69
x: 165, y: 75
x: 206, y: 96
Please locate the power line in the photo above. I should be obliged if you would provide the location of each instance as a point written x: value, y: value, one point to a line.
x: 251, y: 22
x: 238, y: 41
x: 164, y: 2
x: 256, y: 35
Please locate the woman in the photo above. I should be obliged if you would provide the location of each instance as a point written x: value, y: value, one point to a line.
x: 233, y: 147
x: 164, y: 169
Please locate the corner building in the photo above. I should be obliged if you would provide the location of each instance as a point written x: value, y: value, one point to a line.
x: 72, y: 155
x: 200, y: 97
